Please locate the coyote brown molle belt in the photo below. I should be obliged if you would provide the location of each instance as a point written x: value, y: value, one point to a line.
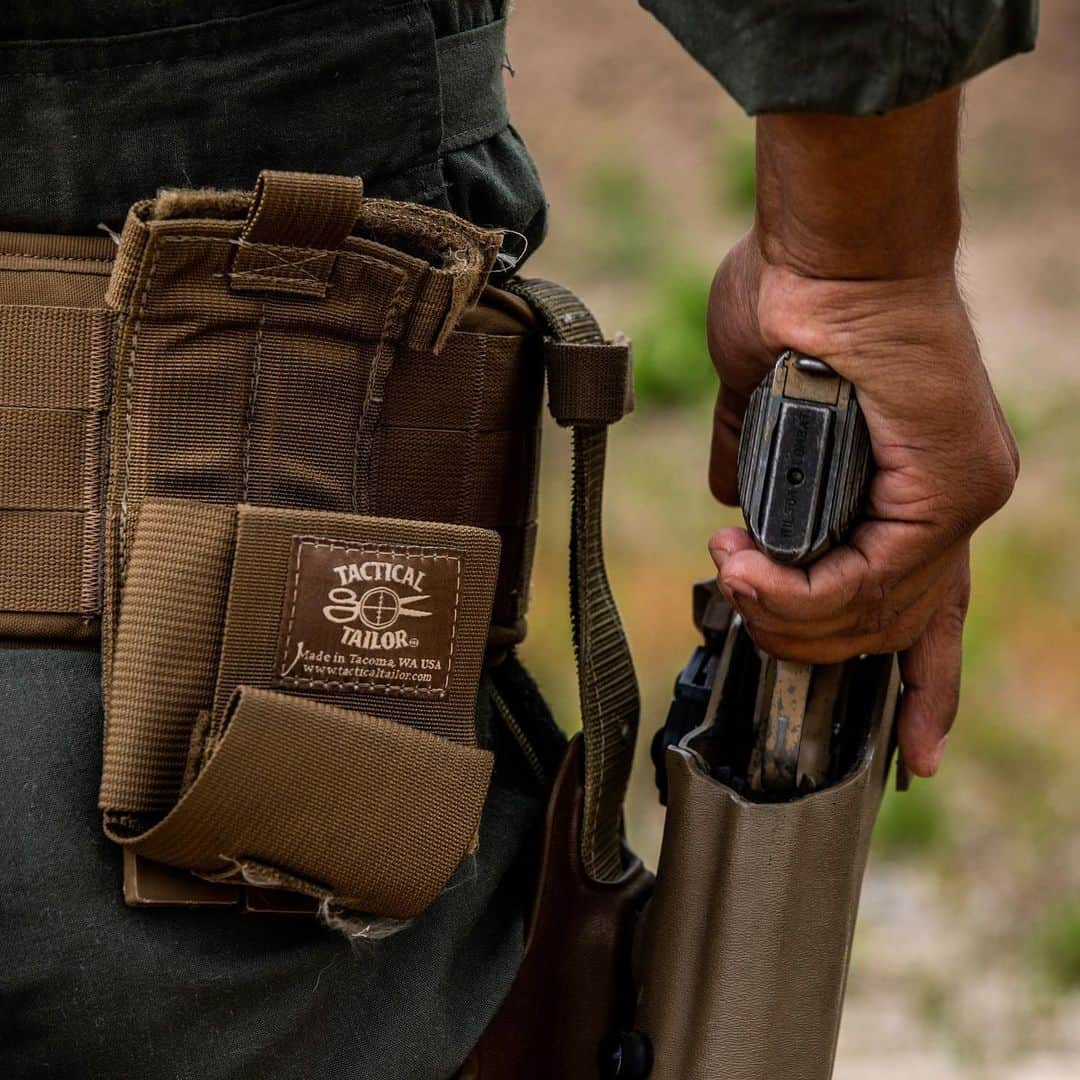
x: 410, y: 390
x: 282, y: 448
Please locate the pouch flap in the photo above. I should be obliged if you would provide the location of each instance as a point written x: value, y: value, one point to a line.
x: 293, y: 699
x: 334, y: 803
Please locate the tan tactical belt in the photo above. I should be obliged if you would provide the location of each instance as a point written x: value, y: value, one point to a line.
x: 280, y: 450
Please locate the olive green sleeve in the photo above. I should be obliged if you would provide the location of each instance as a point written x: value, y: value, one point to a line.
x: 856, y: 57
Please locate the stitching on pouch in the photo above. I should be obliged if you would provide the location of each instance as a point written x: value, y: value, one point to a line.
x: 229, y: 241
x: 410, y: 551
x: 129, y: 386
x: 284, y: 264
x: 57, y: 258
x: 253, y: 393
x: 372, y: 401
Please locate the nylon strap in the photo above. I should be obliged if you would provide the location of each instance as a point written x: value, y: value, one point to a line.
x: 294, y: 228
x: 589, y: 384
x: 607, y: 686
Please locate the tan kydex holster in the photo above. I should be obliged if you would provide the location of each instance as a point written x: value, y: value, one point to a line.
x: 279, y: 449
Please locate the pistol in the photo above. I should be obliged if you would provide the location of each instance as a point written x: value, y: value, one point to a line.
x: 804, y: 460
x: 805, y: 464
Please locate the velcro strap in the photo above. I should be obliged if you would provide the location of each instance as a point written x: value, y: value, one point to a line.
x: 607, y: 685
x: 296, y: 223
x: 303, y: 209
x: 589, y: 385
x: 337, y: 804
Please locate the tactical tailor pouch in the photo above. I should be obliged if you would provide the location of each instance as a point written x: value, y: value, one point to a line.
x: 291, y: 671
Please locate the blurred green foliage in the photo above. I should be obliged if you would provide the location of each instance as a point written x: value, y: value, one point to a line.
x: 623, y: 241
x: 735, y: 170
x: 671, y: 360
x: 622, y: 236
x: 1056, y: 940
x: 1022, y: 561
x: 912, y: 822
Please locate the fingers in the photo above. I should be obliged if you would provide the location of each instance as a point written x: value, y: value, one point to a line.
x: 860, y: 588
x: 928, y: 632
x: 931, y: 674
x: 740, y: 356
x: 724, y: 458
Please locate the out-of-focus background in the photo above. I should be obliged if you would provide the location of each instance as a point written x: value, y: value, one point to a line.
x: 967, y: 956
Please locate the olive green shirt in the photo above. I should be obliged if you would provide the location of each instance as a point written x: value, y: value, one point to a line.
x: 846, y: 56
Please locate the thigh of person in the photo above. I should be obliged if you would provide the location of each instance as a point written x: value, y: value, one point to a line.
x: 93, y: 989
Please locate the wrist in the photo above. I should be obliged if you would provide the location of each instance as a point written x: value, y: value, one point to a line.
x: 860, y: 198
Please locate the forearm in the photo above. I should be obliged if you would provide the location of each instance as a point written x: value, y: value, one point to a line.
x: 860, y: 198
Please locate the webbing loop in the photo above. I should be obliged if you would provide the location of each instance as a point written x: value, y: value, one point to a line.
x: 589, y: 383
x: 607, y: 686
x: 295, y: 225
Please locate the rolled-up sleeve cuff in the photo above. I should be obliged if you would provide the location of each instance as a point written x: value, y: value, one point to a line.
x: 846, y: 56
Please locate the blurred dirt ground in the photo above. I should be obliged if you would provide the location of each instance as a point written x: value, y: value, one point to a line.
x: 967, y: 960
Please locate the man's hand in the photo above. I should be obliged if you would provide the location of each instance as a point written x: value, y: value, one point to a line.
x: 852, y: 260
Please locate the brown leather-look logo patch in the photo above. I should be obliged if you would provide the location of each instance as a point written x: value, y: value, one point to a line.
x: 369, y: 618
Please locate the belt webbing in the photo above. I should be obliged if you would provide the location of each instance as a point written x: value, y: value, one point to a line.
x: 55, y: 355
x: 457, y: 440
x: 607, y: 686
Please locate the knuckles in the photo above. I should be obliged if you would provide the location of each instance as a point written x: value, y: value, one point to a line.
x: 983, y: 482
x: 1001, y: 474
